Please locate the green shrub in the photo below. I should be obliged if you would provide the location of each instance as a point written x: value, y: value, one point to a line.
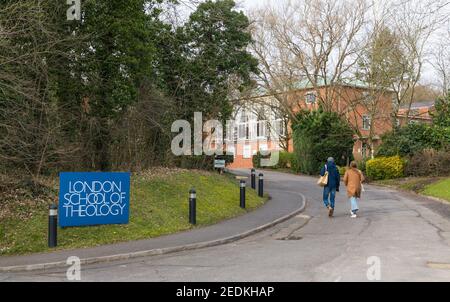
x: 414, y: 138
x: 286, y: 160
x: 318, y: 135
x: 342, y: 170
x: 428, y: 162
x: 441, y: 114
x: 294, y: 163
x: 385, y: 168
x: 256, y: 159
x: 202, y: 162
x: 229, y: 158
x: 362, y: 166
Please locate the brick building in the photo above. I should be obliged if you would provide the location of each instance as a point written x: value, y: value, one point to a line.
x: 368, y: 111
x: 419, y: 112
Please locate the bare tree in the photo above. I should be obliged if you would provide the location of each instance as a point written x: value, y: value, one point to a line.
x: 413, y: 22
x: 441, y: 61
x: 30, y: 119
x: 379, y: 65
x: 305, y: 44
x: 321, y: 38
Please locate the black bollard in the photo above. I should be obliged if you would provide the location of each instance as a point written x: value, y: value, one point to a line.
x: 192, y: 206
x: 261, y: 185
x: 52, y: 225
x: 253, y: 179
x: 242, y: 191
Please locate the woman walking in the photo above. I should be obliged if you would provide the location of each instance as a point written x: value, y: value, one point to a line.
x: 353, y: 179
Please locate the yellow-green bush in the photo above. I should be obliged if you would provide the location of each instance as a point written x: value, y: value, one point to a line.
x: 385, y: 167
x: 342, y: 170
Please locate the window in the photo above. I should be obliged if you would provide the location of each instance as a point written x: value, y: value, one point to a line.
x: 253, y: 130
x: 310, y: 98
x: 247, y: 151
x: 366, y: 121
x: 230, y: 132
x: 231, y: 150
x: 244, y: 117
x: 243, y: 131
x: 261, y: 129
x: 279, y: 128
x: 364, y: 150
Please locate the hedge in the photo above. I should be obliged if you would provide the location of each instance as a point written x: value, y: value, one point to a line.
x: 286, y: 160
x: 385, y: 167
x: 428, y: 162
x: 342, y: 170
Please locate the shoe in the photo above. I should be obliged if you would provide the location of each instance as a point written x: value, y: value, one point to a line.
x: 352, y: 214
x: 330, y: 211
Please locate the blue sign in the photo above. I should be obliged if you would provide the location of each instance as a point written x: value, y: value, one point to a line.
x: 92, y: 198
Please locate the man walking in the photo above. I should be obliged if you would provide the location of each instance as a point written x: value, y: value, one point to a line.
x: 332, y: 186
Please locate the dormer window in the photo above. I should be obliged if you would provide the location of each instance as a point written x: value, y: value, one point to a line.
x: 310, y: 98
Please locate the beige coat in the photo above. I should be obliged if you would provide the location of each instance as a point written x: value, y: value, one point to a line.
x: 353, y: 179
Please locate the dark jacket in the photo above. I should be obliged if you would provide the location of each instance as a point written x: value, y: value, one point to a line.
x: 334, y: 178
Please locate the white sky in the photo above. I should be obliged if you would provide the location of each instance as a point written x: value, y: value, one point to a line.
x: 250, y: 4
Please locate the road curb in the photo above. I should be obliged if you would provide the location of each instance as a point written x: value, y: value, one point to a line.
x: 154, y: 252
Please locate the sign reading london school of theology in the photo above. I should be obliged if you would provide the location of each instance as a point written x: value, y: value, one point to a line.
x: 91, y: 198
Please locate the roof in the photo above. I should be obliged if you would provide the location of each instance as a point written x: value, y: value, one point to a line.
x: 420, y: 104
x: 307, y: 84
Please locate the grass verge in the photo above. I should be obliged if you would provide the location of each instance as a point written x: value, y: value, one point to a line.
x: 158, y: 206
x: 432, y: 186
x: 440, y: 189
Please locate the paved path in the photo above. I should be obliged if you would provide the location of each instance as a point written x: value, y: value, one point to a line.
x: 409, y: 235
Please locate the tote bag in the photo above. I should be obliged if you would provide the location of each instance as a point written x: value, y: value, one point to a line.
x: 323, y: 180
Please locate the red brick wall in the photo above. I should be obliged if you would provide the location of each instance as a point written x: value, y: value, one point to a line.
x: 240, y: 161
x: 344, y: 101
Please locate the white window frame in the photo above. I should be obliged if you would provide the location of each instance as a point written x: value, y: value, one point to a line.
x: 366, y: 119
x: 244, y: 127
x: 261, y: 125
x: 280, y: 129
x: 308, y: 95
